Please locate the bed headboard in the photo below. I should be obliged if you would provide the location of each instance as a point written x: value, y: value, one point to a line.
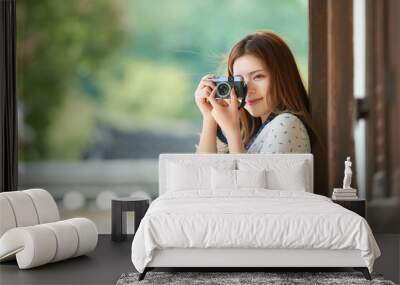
x: 268, y: 158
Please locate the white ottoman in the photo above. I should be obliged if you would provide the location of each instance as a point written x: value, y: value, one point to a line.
x: 31, y: 233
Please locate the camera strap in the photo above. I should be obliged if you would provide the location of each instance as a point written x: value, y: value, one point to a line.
x: 242, y: 103
x: 220, y: 133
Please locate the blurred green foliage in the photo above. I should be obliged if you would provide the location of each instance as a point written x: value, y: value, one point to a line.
x: 200, y: 33
x: 129, y: 63
x: 142, y: 94
x: 72, y: 127
x: 59, y: 42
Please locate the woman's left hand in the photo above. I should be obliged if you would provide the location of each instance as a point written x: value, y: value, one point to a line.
x: 226, y: 116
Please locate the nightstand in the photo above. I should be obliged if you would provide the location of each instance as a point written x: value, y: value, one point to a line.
x: 357, y: 205
x: 119, y: 207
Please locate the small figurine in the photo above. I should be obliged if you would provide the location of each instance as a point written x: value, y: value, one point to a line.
x: 345, y: 193
x: 347, y: 174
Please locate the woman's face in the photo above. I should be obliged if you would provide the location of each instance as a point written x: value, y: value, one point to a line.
x: 257, y: 79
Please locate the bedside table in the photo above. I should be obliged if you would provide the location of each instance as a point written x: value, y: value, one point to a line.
x: 357, y: 205
x: 119, y: 207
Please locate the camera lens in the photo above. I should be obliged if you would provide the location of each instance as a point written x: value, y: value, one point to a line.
x: 223, y: 89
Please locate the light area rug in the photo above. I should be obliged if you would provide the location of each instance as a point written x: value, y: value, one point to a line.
x: 231, y: 278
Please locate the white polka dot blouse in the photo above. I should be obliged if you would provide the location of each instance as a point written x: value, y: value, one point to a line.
x: 286, y: 133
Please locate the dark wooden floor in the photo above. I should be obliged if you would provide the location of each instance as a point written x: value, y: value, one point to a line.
x: 103, y: 266
x: 111, y: 259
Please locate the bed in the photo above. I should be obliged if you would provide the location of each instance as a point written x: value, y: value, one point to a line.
x: 247, y: 210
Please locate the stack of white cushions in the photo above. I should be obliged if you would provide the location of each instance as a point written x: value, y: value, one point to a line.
x: 281, y: 174
x: 30, y: 230
x: 230, y: 175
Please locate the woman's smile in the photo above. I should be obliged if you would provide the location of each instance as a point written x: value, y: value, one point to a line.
x: 253, y: 101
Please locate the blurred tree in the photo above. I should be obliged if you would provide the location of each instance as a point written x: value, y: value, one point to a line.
x: 60, y: 44
x: 142, y: 94
x: 137, y: 62
x: 71, y: 128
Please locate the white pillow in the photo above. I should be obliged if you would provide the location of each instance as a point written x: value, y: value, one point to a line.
x: 193, y: 174
x: 295, y: 179
x: 223, y: 179
x: 251, y: 178
x: 282, y: 174
x: 236, y: 179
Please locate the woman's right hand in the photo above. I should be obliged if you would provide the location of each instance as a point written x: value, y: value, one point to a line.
x: 202, y: 94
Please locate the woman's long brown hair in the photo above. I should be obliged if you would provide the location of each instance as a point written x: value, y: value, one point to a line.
x: 287, y: 91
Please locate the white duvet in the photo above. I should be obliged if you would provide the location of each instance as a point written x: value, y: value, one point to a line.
x: 253, y: 218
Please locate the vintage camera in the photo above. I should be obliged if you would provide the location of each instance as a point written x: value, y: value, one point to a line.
x: 224, y: 85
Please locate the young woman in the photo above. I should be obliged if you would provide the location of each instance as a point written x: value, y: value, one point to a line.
x: 276, y: 117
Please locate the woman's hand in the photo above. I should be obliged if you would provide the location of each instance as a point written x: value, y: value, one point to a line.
x: 202, y: 93
x: 226, y: 115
